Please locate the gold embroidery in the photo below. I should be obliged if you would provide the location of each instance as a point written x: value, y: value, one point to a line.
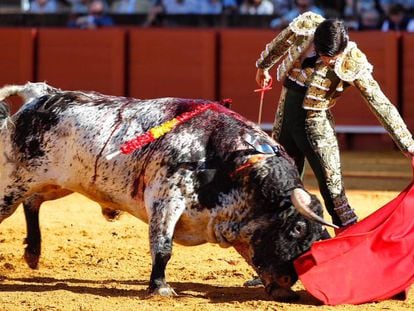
x: 290, y: 44
x: 299, y: 75
x: 322, y: 137
x: 276, y: 49
x: 319, y: 85
x: 320, y: 82
x: 316, y: 92
x: 306, y: 23
x: 277, y: 125
x: 352, y: 63
x: 316, y: 104
x: 293, y: 54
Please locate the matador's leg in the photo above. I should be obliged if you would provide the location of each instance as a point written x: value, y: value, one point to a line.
x: 277, y: 125
x: 325, y: 161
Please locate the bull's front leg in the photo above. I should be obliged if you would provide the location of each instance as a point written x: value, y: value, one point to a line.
x: 164, y: 216
x: 161, y: 250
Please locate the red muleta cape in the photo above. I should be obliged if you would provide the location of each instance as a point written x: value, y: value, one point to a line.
x: 370, y: 261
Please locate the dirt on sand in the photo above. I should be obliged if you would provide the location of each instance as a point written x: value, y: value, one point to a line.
x: 90, y: 264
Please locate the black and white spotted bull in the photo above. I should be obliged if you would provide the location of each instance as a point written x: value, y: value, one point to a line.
x: 214, y: 178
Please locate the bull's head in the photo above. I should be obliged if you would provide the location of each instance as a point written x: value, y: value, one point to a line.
x: 287, y: 236
x: 284, y: 222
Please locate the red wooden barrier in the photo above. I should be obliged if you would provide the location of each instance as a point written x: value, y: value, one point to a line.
x: 191, y: 63
x: 83, y: 59
x: 408, y: 80
x: 239, y: 50
x: 172, y: 62
x: 16, y: 58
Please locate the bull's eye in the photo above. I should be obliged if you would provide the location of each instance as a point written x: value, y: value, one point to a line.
x: 299, y: 230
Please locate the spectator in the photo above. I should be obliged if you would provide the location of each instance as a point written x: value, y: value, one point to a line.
x: 230, y: 6
x: 131, y: 6
x: 210, y: 7
x: 369, y: 20
x: 407, y: 4
x: 179, y: 6
x: 300, y: 7
x: 79, y: 6
x: 43, y: 6
x: 169, y: 7
x: 281, y: 7
x: 256, y: 7
x: 95, y: 18
x: 397, y: 20
x: 355, y: 16
x: 332, y: 8
x: 355, y: 9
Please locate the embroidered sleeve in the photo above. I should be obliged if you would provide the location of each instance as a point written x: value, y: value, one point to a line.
x: 384, y: 110
x: 302, y: 26
x: 276, y: 49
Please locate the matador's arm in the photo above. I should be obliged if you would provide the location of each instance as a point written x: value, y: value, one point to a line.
x: 275, y: 49
x: 385, y: 111
x: 353, y: 67
x: 299, y: 33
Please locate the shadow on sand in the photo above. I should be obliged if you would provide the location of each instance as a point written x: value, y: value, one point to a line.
x: 117, y: 288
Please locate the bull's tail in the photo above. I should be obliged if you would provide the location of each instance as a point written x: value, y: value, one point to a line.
x: 5, y: 92
x: 27, y: 91
x: 10, y: 90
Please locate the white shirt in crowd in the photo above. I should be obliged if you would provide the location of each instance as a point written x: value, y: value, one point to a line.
x: 264, y: 8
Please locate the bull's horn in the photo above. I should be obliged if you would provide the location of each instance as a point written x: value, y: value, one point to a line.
x: 301, y: 200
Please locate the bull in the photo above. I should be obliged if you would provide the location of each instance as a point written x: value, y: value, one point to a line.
x: 215, y: 178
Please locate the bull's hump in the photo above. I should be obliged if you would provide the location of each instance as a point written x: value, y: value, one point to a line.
x: 30, y: 125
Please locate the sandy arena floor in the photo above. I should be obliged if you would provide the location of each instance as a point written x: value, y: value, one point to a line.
x: 90, y: 264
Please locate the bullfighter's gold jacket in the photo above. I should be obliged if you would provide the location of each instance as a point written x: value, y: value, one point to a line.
x: 324, y: 83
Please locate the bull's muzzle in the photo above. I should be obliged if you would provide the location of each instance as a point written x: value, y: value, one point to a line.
x: 280, y: 289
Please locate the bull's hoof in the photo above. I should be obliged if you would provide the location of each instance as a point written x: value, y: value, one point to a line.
x: 284, y: 295
x: 164, y: 291
x: 31, y: 259
x: 254, y: 282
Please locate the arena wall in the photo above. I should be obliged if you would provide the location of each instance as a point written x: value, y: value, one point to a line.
x: 198, y: 63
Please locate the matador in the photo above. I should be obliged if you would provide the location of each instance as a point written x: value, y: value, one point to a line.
x: 317, y: 62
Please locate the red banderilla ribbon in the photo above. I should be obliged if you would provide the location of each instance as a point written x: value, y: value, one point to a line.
x: 262, y: 92
x: 158, y: 131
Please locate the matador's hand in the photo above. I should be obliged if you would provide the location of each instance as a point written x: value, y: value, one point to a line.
x: 263, y: 77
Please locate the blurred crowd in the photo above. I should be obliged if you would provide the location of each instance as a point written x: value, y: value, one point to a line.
x: 359, y: 14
